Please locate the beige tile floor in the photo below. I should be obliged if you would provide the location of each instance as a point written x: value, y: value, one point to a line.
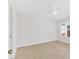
x: 50, y: 50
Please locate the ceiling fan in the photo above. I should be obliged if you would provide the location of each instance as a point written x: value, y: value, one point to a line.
x: 52, y: 11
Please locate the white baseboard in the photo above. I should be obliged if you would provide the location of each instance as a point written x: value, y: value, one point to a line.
x: 33, y: 43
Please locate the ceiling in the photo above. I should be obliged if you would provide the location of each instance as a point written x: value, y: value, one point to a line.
x: 54, y: 9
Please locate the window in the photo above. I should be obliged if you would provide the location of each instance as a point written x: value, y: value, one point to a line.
x: 68, y: 30
x: 65, y: 31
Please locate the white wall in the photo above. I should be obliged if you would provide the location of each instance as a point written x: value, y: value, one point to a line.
x: 65, y: 21
x: 33, y: 29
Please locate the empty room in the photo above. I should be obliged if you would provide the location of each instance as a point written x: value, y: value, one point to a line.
x: 39, y: 29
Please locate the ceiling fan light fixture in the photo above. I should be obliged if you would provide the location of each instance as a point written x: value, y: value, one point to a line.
x: 54, y: 12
